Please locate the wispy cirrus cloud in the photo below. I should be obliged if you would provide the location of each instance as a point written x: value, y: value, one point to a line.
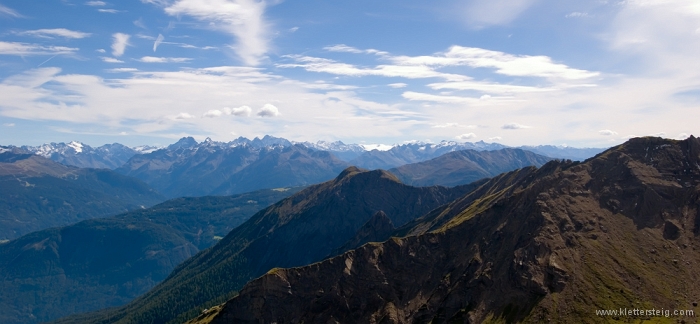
x: 56, y: 32
x: 152, y: 59
x: 112, y: 11
x: 96, y: 3
x: 16, y: 48
x: 350, y: 49
x: 119, y: 43
x: 5, y: 11
x: 243, y: 19
x: 158, y: 41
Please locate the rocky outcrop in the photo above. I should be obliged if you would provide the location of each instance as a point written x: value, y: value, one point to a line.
x: 554, y: 245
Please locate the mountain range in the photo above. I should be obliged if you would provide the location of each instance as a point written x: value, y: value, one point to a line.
x: 553, y: 244
x: 109, y: 261
x: 188, y: 168
x: 462, y: 167
x: 301, y: 229
x: 115, y: 155
x: 108, y: 156
x: 37, y: 193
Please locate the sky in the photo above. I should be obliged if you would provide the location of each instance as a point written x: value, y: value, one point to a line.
x: 516, y: 72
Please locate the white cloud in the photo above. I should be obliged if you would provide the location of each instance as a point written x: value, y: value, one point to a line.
x: 660, y: 134
x: 450, y: 125
x: 576, y: 14
x: 484, y: 13
x: 240, y: 111
x: 122, y: 70
x: 213, y: 113
x: 350, y: 49
x: 504, y: 63
x: 111, y: 60
x: 14, y: 48
x: 682, y: 136
x: 139, y: 23
x: 607, y: 132
x: 397, y: 85
x: 119, y: 43
x: 315, y: 64
x: 109, y: 10
x: 158, y: 41
x: 9, y: 124
x: 465, y: 137
x: 96, y: 3
x: 484, y: 100
x: 293, y: 29
x: 414, y: 67
x: 9, y: 12
x: 343, y: 48
x: 244, y: 19
x: 487, y: 87
x: 268, y: 110
x: 184, y: 116
x: 514, y: 126
x: 151, y: 59
x: 60, y: 32
x: 495, y: 138
x: 101, y: 50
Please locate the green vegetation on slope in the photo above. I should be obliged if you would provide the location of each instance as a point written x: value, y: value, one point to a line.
x: 107, y: 262
x: 37, y: 193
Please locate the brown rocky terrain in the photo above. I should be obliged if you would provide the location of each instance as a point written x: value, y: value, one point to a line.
x: 555, y: 244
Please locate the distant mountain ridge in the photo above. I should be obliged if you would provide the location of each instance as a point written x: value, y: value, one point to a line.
x: 115, y: 155
x: 188, y: 168
x: 463, y: 167
x: 37, y: 193
x: 108, y: 156
x: 107, y: 262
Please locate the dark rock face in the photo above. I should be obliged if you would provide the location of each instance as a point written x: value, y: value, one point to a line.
x: 301, y: 229
x: 377, y: 229
x: 552, y: 246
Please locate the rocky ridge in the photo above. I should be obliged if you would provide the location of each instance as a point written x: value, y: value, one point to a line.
x: 552, y: 245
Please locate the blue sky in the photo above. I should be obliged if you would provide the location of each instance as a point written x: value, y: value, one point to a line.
x: 517, y: 72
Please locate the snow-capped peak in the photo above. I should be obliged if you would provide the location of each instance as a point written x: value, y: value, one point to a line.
x: 77, y: 146
x: 378, y: 147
